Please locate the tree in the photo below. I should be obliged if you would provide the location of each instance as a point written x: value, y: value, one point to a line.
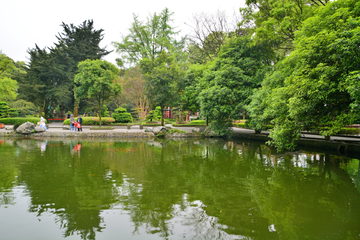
x: 316, y: 87
x: 78, y: 43
x: 230, y: 80
x: 8, y: 86
x: 46, y: 81
x: 134, y: 90
x: 275, y: 22
x: 148, y: 39
x: 162, y: 79
x: 96, y: 80
x: 209, y: 34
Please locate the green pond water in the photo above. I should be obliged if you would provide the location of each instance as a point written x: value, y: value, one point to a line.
x: 194, y: 189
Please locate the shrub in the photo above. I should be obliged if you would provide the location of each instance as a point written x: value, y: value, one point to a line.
x: 174, y: 130
x: 13, y: 113
x: 4, y: 110
x: 193, y: 123
x: 154, y: 115
x: 349, y: 131
x: 20, y: 120
x: 93, y: 121
x: 198, y: 122
x: 122, y: 116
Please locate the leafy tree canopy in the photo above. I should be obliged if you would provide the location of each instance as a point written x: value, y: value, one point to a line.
x: 8, y: 86
x: 240, y: 68
x: 275, y: 22
x: 316, y: 87
x: 148, y: 39
x: 163, y: 77
x: 96, y: 80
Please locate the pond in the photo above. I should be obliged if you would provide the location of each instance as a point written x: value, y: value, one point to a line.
x: 193, y: 189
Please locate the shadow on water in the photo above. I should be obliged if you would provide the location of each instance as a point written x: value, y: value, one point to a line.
x: 209, y: 188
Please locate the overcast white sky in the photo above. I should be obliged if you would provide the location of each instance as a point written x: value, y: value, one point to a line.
x: 26, y: 22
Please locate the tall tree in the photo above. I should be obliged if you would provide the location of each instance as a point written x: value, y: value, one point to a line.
x: 148, y: 39
x: 79, y: 43
x: 96, y: 80
x: 275, y: 22
x: 134, y: 90
x: 229, y: 82
x: 209, y: 34
x: 45, y: 81
x: 316, y: 87
x: 162, y: 75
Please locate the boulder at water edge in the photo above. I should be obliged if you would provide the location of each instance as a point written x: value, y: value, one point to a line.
x: 39, y: 129
x: 210, y: 133
x: 26, y: 128
x: 160, y: 129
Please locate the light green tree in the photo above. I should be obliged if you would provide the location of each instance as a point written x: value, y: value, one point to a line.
x: 316, y: 87
x: 148, y: 39
x: 8, y: 86
x: 163, y: 76
x: 230, y: 80
x: 97, y: 80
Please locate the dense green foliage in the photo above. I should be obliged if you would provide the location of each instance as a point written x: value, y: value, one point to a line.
x: 315, y: 87
x: 96, y: 80
x: 8, y: 73
x: 230, y: 80
x: 148, y: 39
x: 21, y: 120
x: 163, y: 76
x: 92, y: 121
x: 122, y: 116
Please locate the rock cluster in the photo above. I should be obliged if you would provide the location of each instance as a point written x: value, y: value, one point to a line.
x: 28, y: 128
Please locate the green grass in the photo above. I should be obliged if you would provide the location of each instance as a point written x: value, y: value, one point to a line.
x: 102, y: 128
x: 174, y: 130
x: 193, y: 123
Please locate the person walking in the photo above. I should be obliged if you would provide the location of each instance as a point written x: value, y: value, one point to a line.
x: 72, y: 121
x: 79, y: 120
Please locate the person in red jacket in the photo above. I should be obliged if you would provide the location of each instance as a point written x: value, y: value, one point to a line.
x: 79, y: 120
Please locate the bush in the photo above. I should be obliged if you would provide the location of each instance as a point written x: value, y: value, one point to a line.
x: 18, y: 121
x: 198, y: 122
x: 174, y: 130
x: 93, y: 121
x: 122, y: 116
x: 349, y: 131
x: 154, y: 115
x: 13, y: 113
x: 193, y: 123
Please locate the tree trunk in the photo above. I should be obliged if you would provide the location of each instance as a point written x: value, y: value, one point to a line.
x: 100, y: 112
x: 41, y: 107
x: 162, y: 116
x: 76, y: 106
x: 244, y: 114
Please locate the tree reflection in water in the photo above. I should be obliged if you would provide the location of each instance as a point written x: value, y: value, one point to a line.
x: 198, y: 189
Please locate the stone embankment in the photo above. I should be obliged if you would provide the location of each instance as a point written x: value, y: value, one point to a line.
x: 346, y: 145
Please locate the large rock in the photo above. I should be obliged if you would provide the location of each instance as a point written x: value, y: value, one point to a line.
x: 198, y: 129
x: 150, y: 129
x: 39, y: 129
x: 210, y: 133
x: 26, y: 128
x: 160, y: 129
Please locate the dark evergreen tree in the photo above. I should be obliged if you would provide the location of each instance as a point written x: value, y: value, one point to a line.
x: 78, y: 43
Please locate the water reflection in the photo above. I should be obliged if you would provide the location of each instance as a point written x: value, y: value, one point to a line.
x: 199, y: 189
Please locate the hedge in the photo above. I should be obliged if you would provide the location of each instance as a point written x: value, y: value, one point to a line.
x: 193, y: 123
x: 93, y: 121
x: 20, y: 120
